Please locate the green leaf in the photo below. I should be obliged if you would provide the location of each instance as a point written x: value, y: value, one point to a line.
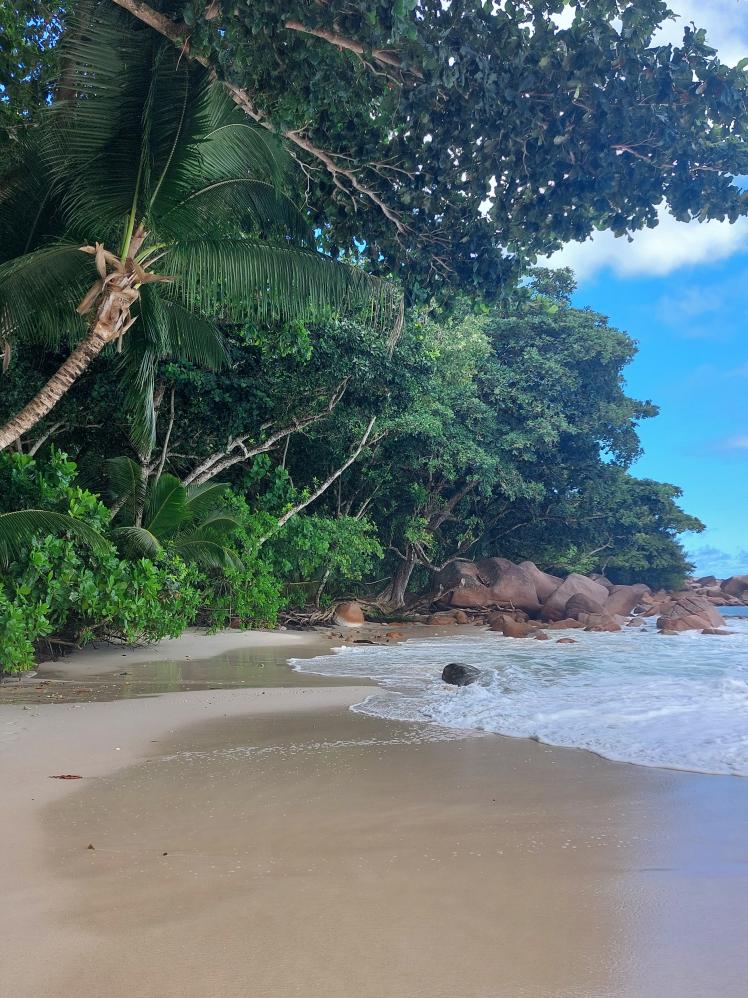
x: 19, y: 528
x: 166, y: 507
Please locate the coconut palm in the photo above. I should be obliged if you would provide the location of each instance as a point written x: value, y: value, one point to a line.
x: 164, y: 515
x: 142, y: 214
x: 19, y: 528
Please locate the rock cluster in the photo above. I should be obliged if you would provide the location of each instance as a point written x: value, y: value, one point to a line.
x: 517, y: 600
x: 521, y: 601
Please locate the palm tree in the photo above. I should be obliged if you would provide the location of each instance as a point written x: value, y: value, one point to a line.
x: 164, y: 515
x: 19, y: 528
x: 145, y: 211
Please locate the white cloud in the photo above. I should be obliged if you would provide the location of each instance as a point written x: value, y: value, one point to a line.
x: 672, y: 245
x: 714, y: 561
x: 739, y: 443
x: 654, y: 252
x: 726, y: 23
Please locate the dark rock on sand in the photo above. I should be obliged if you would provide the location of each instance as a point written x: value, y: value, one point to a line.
x: 459, y: 674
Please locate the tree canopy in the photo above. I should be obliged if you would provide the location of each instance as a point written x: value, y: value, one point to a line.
x: 317, y: 225
x: 451, y: 143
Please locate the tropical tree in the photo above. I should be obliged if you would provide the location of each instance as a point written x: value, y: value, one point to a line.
x: 142, y: 213
x: 18, y: 528
x: 29, y: 30
x: 451, y: 142
x: 165, y: 516
x: 497, y: 427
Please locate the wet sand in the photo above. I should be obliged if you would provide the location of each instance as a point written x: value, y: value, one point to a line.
x: 194, y: 661
x: 270, y: 843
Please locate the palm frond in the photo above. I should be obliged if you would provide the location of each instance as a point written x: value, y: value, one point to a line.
x: 192, y: 337
x: 93, y: 131
x: 144, y: 345
x: 137, y: 542
x: 27, y: 211
x: 205, y: 553
x: 40, y: 291
x: 166, y: 120
x: 244, y: 279
x: 216, y: 526
x: 166, y: 507
x: 235, y: 205
x: 203, y: 500
x: 231, y: 141
x: 19, y: 528
x: 164, y: 329
x: 217, y: 143
x: 126, y: 484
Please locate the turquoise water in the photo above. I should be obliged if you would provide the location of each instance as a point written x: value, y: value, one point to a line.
x: 635, y: 696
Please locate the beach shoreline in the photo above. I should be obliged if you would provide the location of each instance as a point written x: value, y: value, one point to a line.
x: 268, y: 841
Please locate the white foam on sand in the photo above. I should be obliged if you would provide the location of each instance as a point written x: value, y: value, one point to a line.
x: 634, y: 696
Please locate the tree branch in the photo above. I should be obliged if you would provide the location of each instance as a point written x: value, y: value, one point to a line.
x: 44, y: 437
x: 178, y: 34
x: 165, y: 448
x: 237, y: 450
x: 283, y: 520
x: 380, y: 55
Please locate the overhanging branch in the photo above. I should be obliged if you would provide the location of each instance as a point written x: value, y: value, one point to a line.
x: 283, y: 520
x: 344, y: 177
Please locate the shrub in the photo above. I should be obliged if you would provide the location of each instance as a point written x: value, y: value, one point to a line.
x: 64, y: 589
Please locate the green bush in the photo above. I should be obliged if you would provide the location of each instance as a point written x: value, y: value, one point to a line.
x: 251, y: 594
x: 61, y: 588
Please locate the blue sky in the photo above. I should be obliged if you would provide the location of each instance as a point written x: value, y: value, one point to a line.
x: 682, y: 292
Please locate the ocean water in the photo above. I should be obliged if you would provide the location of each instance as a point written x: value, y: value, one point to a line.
x: 679, y: 702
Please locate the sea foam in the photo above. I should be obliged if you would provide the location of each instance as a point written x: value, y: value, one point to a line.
x: 635, y: 696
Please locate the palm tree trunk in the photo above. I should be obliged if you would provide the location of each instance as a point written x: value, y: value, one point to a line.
x: 61, y: 381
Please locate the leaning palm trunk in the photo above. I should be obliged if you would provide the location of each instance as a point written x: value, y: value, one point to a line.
x: 113, y: 295
x: 61, y: 381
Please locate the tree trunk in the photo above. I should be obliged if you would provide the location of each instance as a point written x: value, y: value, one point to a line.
x: 394, y: 594
x: 61, y: 381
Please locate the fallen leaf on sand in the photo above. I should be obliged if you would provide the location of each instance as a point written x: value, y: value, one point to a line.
x: 66, y: 776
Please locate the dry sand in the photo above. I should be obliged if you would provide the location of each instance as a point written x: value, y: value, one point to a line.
x: 269, y: 843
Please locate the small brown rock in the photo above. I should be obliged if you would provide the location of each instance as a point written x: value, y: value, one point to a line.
x: 349, y: 615
x: 514, y: 629
x: 566, y: 641
x: 441, y: 619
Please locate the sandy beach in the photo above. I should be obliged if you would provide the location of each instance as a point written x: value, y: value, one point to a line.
x: 266, y: 841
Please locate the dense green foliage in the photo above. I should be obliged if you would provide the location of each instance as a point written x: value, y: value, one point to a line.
x: 66, y: 589
x: 29, y: 31
x: 265, y: 438
x: 409, y: 113
x: 187, y: 203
